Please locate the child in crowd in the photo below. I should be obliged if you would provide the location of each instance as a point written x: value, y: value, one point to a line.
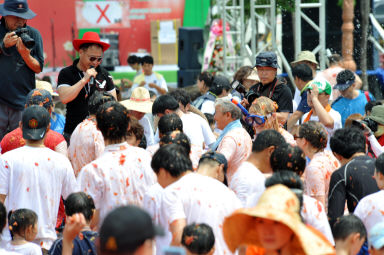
x: 84, y: 243
x: 135, y: 134
x: 198, y: 239
x: 349, y: 234
x: 23, y: 227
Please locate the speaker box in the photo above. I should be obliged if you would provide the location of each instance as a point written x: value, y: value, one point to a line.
x: 190, y: 43
x: 111, y: 56
x: 187, y: 77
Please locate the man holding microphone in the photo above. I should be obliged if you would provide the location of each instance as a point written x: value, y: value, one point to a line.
x: 77, y: 82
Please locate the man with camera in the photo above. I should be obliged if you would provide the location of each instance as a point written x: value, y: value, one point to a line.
x: 270, y: 86
x: 21, y: 57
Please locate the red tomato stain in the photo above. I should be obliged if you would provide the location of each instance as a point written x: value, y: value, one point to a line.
x: 36, y: 164
x: 28, y: 189
x: 127, y: 182
x: 122, y: 159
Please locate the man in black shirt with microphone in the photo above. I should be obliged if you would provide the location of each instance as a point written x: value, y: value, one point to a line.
x: 76, y: 83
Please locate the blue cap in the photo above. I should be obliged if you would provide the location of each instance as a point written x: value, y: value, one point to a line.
x: 376, y: 236
x: 267, y: 58
x: 216, y: 156
x: 344, y: 80
x: 18, y: 8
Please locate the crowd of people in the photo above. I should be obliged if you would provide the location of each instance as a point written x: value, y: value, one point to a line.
x: 248, y: 166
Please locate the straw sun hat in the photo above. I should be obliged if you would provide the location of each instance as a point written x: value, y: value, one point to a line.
x: 139, y: 101
x: 279, y: 204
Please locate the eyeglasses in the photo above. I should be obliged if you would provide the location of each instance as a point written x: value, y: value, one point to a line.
x: 259, y: 120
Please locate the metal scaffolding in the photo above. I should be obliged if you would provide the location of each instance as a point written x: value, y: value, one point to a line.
x: 232, y: 12
x: 299, y: 14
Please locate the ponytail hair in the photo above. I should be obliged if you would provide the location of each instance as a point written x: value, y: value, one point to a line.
x: 207, y: 78
x: 19, y: 220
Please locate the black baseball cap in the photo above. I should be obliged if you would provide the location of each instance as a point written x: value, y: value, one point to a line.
x: 126, y: 228
x: 216, y: 156
x: 267, y: 58
x: 35, y: 121
x: 344, y: 80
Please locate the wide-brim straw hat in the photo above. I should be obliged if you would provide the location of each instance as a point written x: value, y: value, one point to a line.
x: 139, y: 101
x: 279, y: 204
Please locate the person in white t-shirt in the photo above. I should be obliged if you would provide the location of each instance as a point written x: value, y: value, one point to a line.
x: 122, y: 174
x: 234, y: 141
x: 213, y: 164
x: 194, y: 126
x: 23, y: 226
x: 370, y: 209
x: 321, y: 111
x: 292, y: 158
x: 149, y: 79
x: 87, y: 142
x: 248, y: 180
x: 191, y: 197
x: 3, y: 222
x: 38, y: 180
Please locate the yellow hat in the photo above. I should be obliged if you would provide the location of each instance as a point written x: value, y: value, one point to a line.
x: 279, y: 204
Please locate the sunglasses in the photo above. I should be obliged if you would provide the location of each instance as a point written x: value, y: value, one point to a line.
x: 92, y: 59
x: 259, y: 120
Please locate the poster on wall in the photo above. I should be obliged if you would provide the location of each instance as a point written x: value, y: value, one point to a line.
x: 102, y: 14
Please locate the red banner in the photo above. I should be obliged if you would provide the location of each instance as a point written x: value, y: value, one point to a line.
x: 132, y: 25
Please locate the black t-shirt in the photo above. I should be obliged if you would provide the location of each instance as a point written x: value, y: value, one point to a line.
x: 77, y: 109
x: 17, y: 79
x: 278, y: 92
x: 351, y: 182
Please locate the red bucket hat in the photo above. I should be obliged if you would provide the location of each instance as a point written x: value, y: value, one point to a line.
x: 90, y: 37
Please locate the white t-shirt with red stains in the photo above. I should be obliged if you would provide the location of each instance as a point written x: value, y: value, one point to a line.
x: 35, y: 178
x: 318, y: 173
x: 236, y: 146
x: 200, y: 199
x: 87, y: 144
x: 370, y: 209
x: 313, y: 214
x: 152, y: 203
x: 120, y: 176
x: 247, y: 181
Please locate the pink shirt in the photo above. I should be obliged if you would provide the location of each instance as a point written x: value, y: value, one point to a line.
x: 318, y: 173
x: 87, y: 144
x: 236, y: 146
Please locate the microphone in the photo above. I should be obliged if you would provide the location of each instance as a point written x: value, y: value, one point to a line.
x: 92, y: 79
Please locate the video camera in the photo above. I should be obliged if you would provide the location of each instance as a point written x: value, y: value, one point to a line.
x: 366, y: 121
x: 23, y: 33
x: 251, y: 95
